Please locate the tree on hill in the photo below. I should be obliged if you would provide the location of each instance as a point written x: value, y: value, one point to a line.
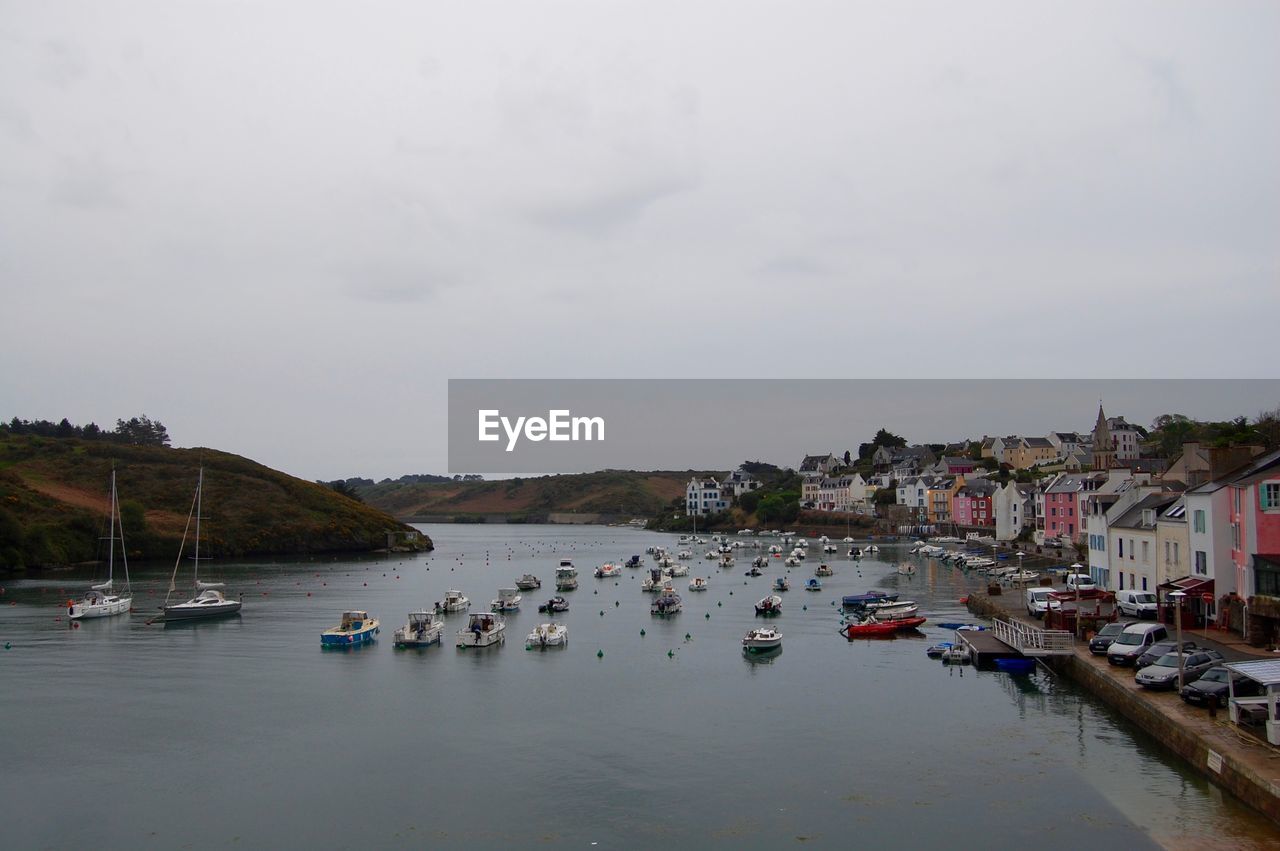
x: 138, y: 431
x: 883, y: 437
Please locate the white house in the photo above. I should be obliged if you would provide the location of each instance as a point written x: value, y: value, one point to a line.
x: 1125, y: 438
x: 913, y: 492
x: 843, y: 493
x: 1014, y: 509
x: 704, y: 496
x: 818, y: 464
x: 739, y: 482
x: 1132, y: 543
x: 1209, y: 535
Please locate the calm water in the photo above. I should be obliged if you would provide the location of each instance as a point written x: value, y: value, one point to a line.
x: 243, y: 733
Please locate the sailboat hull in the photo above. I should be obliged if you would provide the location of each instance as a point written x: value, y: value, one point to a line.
x: 188, y: 612
x: 82, y: 611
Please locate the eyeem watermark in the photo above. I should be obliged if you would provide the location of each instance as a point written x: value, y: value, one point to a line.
x: 559, y: 425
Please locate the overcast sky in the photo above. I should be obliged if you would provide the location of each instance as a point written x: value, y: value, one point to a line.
x: 279, y: 227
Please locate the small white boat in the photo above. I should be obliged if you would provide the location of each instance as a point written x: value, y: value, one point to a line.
x: 653, y: 582
x: 771, y: 605
x: 1022, y: 577
x: 759, y: 561
x: 761, y: 639
x: 893, y: 611
x: 547, y: 635
x: 802, y: 543
x: 684, y: 555
x: 208, y: 602
x: 482, y: 630
x: 508, y: 600
x: 698, y: 584
x: 813, y: 585
x: 774, y: 548
x: 871, y: 549
x: 792, y: 561
x: 956, y: 655
x: 906, y: 568
x: 678, y: 570
x: 453, y: 601
x: 711, y: 555
x: 823, y: 570
x: 668, y: 603
x: 528, y: 582
x: 604, y: 571
x: 423, y: 628
x: 828, y: 548
x: 726, y: 560
x: 848, y: 540
x: 854, y: 552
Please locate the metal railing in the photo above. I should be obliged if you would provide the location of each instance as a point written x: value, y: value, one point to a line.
x: 1033, y: 641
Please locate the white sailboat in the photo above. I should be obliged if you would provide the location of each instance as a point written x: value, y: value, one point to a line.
x: 99, y: 601
x: 208, y: 602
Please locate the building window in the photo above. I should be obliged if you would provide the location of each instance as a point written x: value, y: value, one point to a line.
x: 1177, y: 559
x: 1144, y: 553
x: 1132, y: 549
x: 1235, y: 536
x: 1270, y: 495
x: 1144, y: 583
x: 1121, y: 542
x: 1167, y: 550
x: 1266, y: 579
x: 1202, y: 563
x: 1199, y: 520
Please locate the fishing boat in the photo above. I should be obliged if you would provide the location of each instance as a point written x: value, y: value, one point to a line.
x: 100, y: 601
x: 423, y: 628
x: 791, y: 561
x: 726, y: 560
x: 528, y: 582
x: 547, y: 635
x: 605, y: 571
x: 781, y: 584
x: 684, y: 555
x: 667, y: 603
x: 482, y: 630
x: 698, y: 584
x: 678, y: 570
x: 872, y: 628
x: 855, y: 601
x: 906, y: 568
x: 760, y: 561
x: 555, y: 604
x: 508, y: 600
x: 813, y: 585
x: 892, y: 610
x: 453, y: 601
x: 652, y: 582
x: 634, y: 561
x: 823, y: 570
x: 356, y: 628
x: 208, y: 602
x: 762, y: 639
x: 771, y: 605
x: 566, y: 576
x: 828, y: 548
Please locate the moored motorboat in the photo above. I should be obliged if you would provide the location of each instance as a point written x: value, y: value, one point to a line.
x: 678, y: 570
x: 823, y: 570
x: 555, y: 604
x: 936, y: 651
x: 754, y: 571
x: 762, y: 639
x: 356, y: 628
x: 771, y: 605
x: 698, y: 584
x: 528, y: 582
x: 872, y: 628
x: 957, y: 654
x: 870, y: 549
x: 547, y: 635
x: 607, y: 570
x: 423, y: 628
x: 652, y: 582
x: 894, y: 610
x: 667, y: 603
x: 454, y: 601
x: 781, y: 584
x: 813, y: 585
x: 482, y: 630
x: 634, y: 561
x: 566, y: 577
x: 906, y: 568
x: 855, y: 601
x: 508, y: 600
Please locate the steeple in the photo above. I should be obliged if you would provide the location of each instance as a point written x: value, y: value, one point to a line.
x: 1104, y: 450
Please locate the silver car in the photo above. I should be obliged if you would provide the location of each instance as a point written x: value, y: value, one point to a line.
x: 1164, y: 673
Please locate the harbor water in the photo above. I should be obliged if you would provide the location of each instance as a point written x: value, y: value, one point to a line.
x: 643, y: 731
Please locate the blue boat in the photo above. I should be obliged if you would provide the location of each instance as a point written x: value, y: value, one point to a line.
x: 856, y: 601
x: 1016, y: 665
x: 356, y: 628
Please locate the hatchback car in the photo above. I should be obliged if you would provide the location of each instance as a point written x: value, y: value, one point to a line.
x: 1155, y: 651
x: 1164, y: 673
x: 1102, y: 638
x: 1212, y: 687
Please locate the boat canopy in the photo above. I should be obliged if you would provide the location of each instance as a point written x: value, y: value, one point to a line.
x: 102, y: 586
x: 203, y: 585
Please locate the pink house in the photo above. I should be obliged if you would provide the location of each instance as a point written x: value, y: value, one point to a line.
x: 1062, y: 508
x: 974, y: 504
x: 1253, y: 518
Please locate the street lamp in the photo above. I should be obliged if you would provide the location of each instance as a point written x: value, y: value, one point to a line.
x: 1177, y: 597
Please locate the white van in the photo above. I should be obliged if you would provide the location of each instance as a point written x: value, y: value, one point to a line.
x: 1080, y: 582
x: 1138, y: 604
x: 1037, y: 600
x: 1135, y: 640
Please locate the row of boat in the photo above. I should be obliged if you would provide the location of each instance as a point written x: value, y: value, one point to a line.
x: 426, y: 628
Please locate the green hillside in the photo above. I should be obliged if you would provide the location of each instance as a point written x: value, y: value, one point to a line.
x: 53, y: 505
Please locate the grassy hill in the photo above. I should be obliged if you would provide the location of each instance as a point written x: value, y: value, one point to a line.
x: 623, y: 492
x: 53, y: 504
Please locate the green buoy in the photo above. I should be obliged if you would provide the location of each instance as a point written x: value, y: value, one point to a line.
x: 688, y: 637
x: 642, y: 633
x: 599, y: 654
x: 718, y: 603
x: 671, y: 654
x: 707, y: 616
x: 602, y: 613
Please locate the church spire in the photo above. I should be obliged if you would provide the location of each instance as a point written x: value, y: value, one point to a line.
x: 1103, y: 446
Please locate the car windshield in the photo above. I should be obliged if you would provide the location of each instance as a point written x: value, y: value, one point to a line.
x: 1129, y: 638
x: 1169, y: 660
x: 1112, y: 629
x: 1215, y: 675
x: 1145, y: 598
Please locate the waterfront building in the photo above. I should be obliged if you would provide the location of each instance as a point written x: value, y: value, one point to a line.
x: 704, y: 496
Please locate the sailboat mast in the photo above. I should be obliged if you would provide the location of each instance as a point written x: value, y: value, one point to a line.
x: 124, y: 553
x: 111, y: 541
x: 199, y: 495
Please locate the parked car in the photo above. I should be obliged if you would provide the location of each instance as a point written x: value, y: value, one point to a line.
x: 1212, y: 687
x: 1037, y: 600
x: 1137, y: 604
x: 1155, y: 651
x: 1080, y: 582
x: 1102, y: 638
x: 1164, y: 672
x: 1134, y: 640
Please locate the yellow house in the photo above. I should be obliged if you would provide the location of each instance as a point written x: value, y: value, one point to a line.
x: 1030, y: 451
x: 940, y: 499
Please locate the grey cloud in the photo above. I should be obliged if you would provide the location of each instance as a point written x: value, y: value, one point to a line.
x: 608, y: 209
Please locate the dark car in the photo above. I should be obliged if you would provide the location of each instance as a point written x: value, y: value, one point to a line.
x: 1159, y: 649
x: 1102, y: 639
x: 1212, y: 687
x: 1164, y: 672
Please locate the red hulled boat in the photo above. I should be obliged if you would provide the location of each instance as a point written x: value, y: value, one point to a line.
x: 871, y: 628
